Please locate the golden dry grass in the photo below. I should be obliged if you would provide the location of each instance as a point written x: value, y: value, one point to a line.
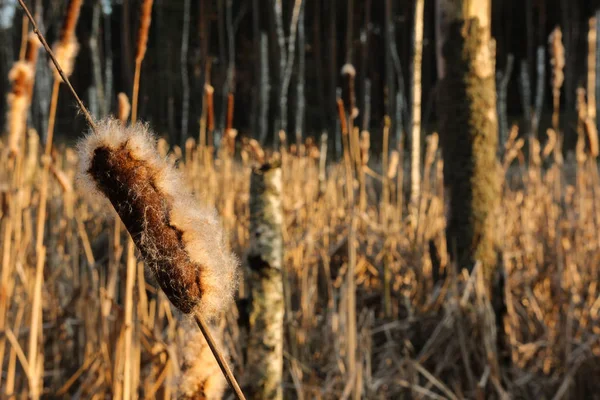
x: 438, y: 341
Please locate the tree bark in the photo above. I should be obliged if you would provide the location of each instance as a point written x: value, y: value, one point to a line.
x: 468, y: 128
x: 265, y: 257
x: 415, y: 166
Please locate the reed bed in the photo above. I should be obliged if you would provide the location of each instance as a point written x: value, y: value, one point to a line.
x: 431, y: 336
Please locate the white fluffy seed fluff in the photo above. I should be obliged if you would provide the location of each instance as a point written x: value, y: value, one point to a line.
x: 206, y: 271
x: 200, y: 376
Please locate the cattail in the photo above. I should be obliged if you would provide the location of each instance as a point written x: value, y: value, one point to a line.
x: 163, y: 147
x: 557, y: 60
x: 550, y: 143
x: 282, y: 137
x: 393, y: 166
x: 200, y: 376
x: 190, y: 148
x: 145, y: 19
x: 349, y: 72
x: 592, y: 136
x: 591, y: 67
x: 31, y: 160
x: 230, y: 109
x: 124, y: 108
x: 210, y: 91
x: 33, y: 47
x: 181, y: 242
x: 229, y: 141
x: 342, y: 116
x: 365, y: 145
x: 67, y: 47
x: 21, y: 75
x: 256, y: 150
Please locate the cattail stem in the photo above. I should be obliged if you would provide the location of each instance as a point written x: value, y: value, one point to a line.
x: 220, y: 359
x: 136, y: 89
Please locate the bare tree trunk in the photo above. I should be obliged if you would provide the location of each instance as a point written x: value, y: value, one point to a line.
x: 108, y: 58
x: 591, y: 76
x: 468, y: 128
x: 525, y: 86
x: 502, y: 79
x: 98, y: 87
x: 539, y: 90
x: 185, y: 101
x: 264, y: 89
x: 415, y: 172
x: 265, y: 258
x: 389, y: 69
x: 597, y: 83
x: 300, y: 100
x: 469, y: 133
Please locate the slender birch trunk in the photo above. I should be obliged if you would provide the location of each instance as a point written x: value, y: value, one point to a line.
x: 415, y: 173
x: 265, y: 258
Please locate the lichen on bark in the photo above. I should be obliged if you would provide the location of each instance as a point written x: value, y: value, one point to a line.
x: 468, y: 127
x: 265, y: 257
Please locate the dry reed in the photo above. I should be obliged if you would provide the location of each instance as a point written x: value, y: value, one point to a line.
x: 431, y: 346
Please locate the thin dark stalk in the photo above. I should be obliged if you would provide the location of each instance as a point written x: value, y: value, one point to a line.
x: 99, y: 92
x: 525, y: 86
x: 219, y: 357
x: 540, y: 89
x: 318, y: 61
x: 256, y: 33
x: 185, y: 101
x: 264, y: 88
x: 389, y: 68
x: 108, y: 57
x: 300, y: 99
x: 289, y: 64
x: 502, y: 80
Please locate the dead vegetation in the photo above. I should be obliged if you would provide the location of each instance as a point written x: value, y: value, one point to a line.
x: 437, y: 342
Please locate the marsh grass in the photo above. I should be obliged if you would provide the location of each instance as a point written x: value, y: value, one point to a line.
x: 418, y: 326
x: 432, y: 342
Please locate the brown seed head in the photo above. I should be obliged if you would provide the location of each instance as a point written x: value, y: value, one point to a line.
x: 124, y: 108
x: 145, y: 19
x: 180, y: 241
x: 68, y: 29
x: 33, y: 46
x: 21, y: 75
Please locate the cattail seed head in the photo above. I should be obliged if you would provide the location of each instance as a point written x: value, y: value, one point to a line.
x: 67, y: 47
x: 31, y: 160
x: 181, y: 242
x: 124, y: 108
x: 348, y: 69
x: 145, y: 19
x: 393, y: 165
x: 21, y: 75
x: 365, y: 145
x: 33, y: 47
x: 557, y: 58
x: 163, y: 147
x: 200, y: 376
x: 68, y: 29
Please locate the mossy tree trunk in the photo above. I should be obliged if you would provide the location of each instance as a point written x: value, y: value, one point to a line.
x: 469, y: 131
x: 265, y: 341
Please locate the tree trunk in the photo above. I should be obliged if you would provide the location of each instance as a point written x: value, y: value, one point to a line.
x: 415, y: 166
x: 468, y: 128
x: 265, y: 341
